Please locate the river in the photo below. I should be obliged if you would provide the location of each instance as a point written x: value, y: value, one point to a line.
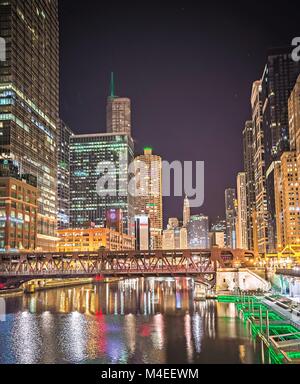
x: 136, y: 321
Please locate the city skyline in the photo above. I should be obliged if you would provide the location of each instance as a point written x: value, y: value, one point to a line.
x: 149, y: 186
x: 157, y: 78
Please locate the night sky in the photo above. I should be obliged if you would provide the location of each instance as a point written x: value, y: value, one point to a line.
x: 188, y: 69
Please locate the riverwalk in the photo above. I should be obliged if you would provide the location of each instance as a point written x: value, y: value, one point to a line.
x: 271, y: 321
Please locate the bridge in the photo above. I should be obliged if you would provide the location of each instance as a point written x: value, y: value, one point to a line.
x: 289, y: 251
x: 16, y: 269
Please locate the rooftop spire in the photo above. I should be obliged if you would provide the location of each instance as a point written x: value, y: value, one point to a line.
x: 112, y: 86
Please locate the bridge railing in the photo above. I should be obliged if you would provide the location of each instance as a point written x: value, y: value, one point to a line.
x: 112, y: 270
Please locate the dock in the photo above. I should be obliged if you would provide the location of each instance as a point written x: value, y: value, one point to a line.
x: 276, y: 326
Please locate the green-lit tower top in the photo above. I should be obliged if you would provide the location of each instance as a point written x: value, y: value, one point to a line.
x: 112, y: 86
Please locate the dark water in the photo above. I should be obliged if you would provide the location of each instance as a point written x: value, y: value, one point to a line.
x: 141, y: 321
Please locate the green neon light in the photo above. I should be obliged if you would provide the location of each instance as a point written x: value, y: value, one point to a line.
x: 148, y: 149
x: 252, y: 308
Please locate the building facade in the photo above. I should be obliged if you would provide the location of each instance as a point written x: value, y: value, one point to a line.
x: 230, y: 212
x: 63, y: 176
x: 18, y: 209
x: 186, y: 211
x: 142, y: 233
x: 148, y: 199
x: 218, y: 239
x: 93, y: 240
x: 294, y: 119
x: 261, y: 211
x: 114, y: 219
x: 198, y: 232
x: 175, y: 238
x: 29, y: 101
x: 278, y: 81
x: 218, y: 232
x: 118, y: 112
x: 99, y: 168
x: 248, y: 147
x: 287, y: 200
x: 242, y: 212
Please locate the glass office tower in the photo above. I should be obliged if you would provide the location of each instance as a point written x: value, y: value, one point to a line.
x: 29, y: 101
x: 92, y: 157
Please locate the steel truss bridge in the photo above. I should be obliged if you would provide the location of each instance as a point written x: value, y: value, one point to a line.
x: 290, y: 251
x: 16, y: 269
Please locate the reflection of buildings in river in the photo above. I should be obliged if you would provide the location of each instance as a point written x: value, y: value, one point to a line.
x: 197, y: 331
x: 226, y: 320
x: 26, y: 338
x: 73, y: 337
x: 101, y: 332
x: 144, y: 296
x: 158, y: 337
x: 188, y: 336
x: 48, y: 337
x: 207, y: 311
x: 130, y: 333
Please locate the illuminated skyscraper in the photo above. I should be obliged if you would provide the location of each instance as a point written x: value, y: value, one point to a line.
x: 261, y: 211
x: 230, y: 211
x: 175, y: 238
x: 63, y: 176
x: 148, y: 174
x: 114, y: 219
x: 286, y: 174
x: 142, y: 233
x: 118, y: 112
x: 241, y: 222
x: 29, y: 107
x: 18, y: 213
x: 287, y: 200
x: 112, y: 153
x: 294, y: 119
x: 278, y: 81
x: 186, y: 211
x: 218, y: 232
x: 198, y: 232
x: 250, y: 185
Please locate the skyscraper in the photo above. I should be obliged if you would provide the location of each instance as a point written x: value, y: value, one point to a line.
x: 142, y: 233
x: 186, y: 211
x: 218, y: 231
x: 148, y: 175
x: 18, y: 213
x: 63, y: 176
x: 175, y: 238
x: 278, y: 80
x: 241, y: 222
x: 286, y: 175
x: 198, y: 232
x: 230, y: 211
x: 287, y: 200
x: 294, y: 119
x: 93, y: 157
x: 261, y: 211
x: 29, y: 108
x: 118, y: 112
x: 250, y: 185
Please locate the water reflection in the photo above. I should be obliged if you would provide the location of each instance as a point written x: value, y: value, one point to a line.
x: 136, y: 321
